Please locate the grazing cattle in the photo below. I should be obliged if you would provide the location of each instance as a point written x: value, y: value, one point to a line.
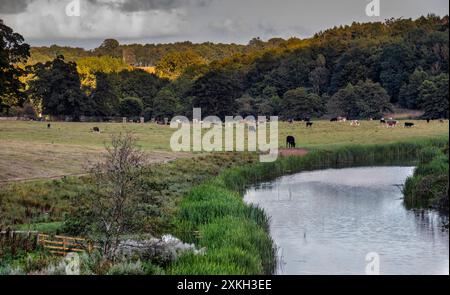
x: 391, y: 124
x: 355, y: 123
x: 49, y: 126
x: 290, y: 142
x: 409, y: 125
x: 428, y: 120
x: 334, y: 120
x: 342, y: 119
x: 96, y: 129
x: 309, y: 124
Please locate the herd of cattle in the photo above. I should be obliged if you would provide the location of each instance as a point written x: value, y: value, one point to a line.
x: 389, y: 123
x: 290, y: 140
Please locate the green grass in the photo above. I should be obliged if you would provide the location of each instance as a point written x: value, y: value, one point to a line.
x: 428, y: 187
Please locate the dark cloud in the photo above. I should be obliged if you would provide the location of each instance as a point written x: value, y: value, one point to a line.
x: 13, y: 6
x: 146, y: 5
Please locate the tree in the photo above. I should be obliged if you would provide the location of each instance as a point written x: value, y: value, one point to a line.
x: 173, y: 64
x: 409, y: 93
x: 130, y: 107
x: 88, y: 67
x: 109, y: 47
x: 216, y: 92
x: 299, y: 104
x: 396, y: 63
x: 13, y: 50
x: 246, y: 105
x: 140, y: 84
x: 363, y: 100
x: 434, y: 97
x: 57, y: 85
x: 104, y: 98
x: 165, y: 104
x: 114, y: 209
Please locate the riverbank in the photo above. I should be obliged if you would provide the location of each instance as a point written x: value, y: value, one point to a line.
x: 428, y: 187
x: 218, y: 214
x: 200, y: 202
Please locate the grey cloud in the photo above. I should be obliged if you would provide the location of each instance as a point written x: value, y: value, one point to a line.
x: 147, y: 5
x: 13, y: 6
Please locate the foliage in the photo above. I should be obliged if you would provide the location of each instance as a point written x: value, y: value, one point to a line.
x: 434, y: 97
x: 57, y: 85
x: 299, y: 104
x: 363, y: 100
x: 173, y: 64
x: 130, y: 107
x: 13, y: 50
x: 428, y: 187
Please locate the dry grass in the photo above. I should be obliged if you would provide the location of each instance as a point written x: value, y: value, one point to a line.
x: 28, y: 150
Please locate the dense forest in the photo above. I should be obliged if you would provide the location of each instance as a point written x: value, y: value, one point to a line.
x: 360, y: 71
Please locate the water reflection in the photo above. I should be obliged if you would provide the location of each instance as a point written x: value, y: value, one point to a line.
x: 325, y: 222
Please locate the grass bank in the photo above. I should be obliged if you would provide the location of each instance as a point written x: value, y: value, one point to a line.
x: 428, y: 187
x: 236, y: 235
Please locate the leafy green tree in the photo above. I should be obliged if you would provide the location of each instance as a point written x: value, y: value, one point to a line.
x: 13, y: 50
x: 165, y: 104
x: 353, y: 65
x: 140, y: 84
x: 409, y: 93
x: 299, y: 103
x: 57, y: 86
x: 104, y: 98
x: 363, y: 100
x: 397, y: 63
x: 434, y: 97
x: 216, y: 92
x: 269, y: 103
x: 130, y: 107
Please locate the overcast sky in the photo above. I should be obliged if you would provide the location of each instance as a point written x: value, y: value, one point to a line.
x: 44, y: 22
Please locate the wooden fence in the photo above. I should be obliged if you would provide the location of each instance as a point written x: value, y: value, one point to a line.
x: 62, y: 245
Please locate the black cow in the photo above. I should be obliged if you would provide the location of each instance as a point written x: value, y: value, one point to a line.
x: 309, y: 124
x: 409, y: 125
x: 428, y: 120
x: 49, y: 126
x: 383, y: 121
x: 334, y: 120
x: 96, y: 129
x: 290, y: 142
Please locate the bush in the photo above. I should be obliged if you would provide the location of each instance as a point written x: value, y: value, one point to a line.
x: 127, y: 268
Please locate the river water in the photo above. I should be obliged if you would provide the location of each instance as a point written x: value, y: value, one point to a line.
x: 328, y: 221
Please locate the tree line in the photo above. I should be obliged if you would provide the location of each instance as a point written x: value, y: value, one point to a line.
x: 358, y: 71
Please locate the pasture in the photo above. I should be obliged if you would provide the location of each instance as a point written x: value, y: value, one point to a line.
x: 29, y: 150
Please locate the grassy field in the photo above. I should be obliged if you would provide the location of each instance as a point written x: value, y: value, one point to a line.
x: 28, y: 150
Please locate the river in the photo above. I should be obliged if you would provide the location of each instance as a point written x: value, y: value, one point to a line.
x: 327, y: 222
